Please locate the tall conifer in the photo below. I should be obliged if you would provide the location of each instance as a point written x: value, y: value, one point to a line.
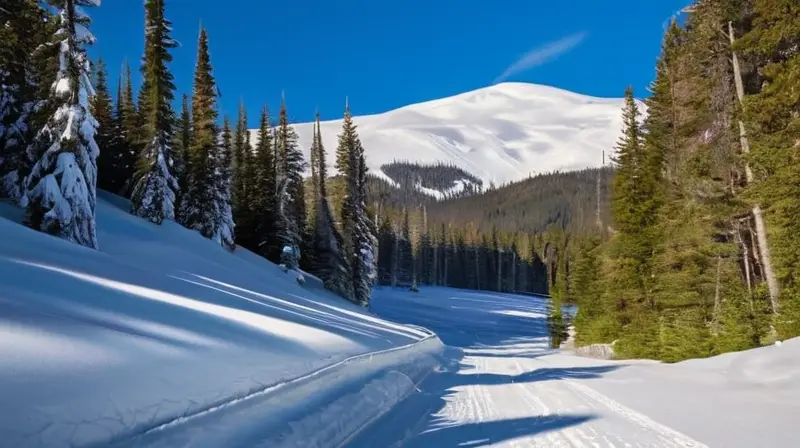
x: 155, y: 189
x: 263, y: 198
x: 61, y: 188
x: 200, y: 202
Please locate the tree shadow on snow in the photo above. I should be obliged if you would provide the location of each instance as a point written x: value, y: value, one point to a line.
x: 543, y: 374
x: 496, y: 431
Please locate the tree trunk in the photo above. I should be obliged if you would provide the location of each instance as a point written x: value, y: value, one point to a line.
x: 761, y: 229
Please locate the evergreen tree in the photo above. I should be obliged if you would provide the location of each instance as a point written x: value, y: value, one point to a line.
x: 242, y: 155
x: 24, y: 37
x: 155, y: 191
x: 128, y: 121
x: 107, y: 136
x: 356, y: 229
x: 61, y: 187
x: 772, y: 114
x: 223, y: 214
x: 328, y: 261
x: 200, y: 214
x: 263, y: 202
x: 291, y: 194
x: 181, y: 143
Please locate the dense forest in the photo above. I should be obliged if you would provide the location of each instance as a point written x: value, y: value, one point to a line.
x: 703, y: 251
x: 62, y: 137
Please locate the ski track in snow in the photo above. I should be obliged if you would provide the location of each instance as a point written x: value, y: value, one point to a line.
x: 510, y: 389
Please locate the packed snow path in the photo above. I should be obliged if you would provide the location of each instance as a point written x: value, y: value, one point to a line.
x: 504, y: 386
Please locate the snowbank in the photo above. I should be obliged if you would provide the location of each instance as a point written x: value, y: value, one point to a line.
x: 100, y: 346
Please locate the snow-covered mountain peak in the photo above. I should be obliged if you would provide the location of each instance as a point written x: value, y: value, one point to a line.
x: 501, y: 133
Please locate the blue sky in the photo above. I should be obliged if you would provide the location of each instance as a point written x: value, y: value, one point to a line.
x: 384, y: 54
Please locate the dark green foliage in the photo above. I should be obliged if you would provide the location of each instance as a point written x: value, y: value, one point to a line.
x: 440, y: 177
x: 108, y: 136
x: 326, y: 257
x: 243, y: 212
x: 291, y: 191
x: 199, y: 213
x: 263, y: 194
x: 357, y: 230
x: 28, y: 64
x: 155, y: 190
x: 127, y: 117
x: 181, y: 142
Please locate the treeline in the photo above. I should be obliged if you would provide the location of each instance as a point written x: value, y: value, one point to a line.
x: 567, y: 200
x: 414, y: 251
x: 439, y: 176
x: 62, y: 136
x: 703, y: 251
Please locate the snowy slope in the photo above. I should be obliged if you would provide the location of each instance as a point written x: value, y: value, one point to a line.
x: 162, y: 324
x: 505, y: 387
x: 500, y: 133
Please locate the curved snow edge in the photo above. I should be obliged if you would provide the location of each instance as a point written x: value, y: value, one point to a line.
x: 281, y: 410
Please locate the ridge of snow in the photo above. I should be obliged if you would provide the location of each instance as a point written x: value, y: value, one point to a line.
x: 160, y: 323
x: 501, y: 133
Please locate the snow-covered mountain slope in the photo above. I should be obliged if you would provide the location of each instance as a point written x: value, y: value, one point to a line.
x: 159, y: 326
x: 500, y: 133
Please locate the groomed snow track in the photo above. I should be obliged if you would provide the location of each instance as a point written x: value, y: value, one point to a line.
x: 324, y: 408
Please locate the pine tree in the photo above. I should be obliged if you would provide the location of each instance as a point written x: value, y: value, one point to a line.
x: 263, y: 198
x: 223, y: 214
x: 107, y: 136
x: 181, y: 143
x: 24, y: 45
x: 291, y: 194
x: 200, y: 213
x: 328, y: 261
x: 128, y: 119
x: 772, y: 115
x: 356, y: 228
x: 155, y: 190
x: 61, y: 187
x: 242, y: 154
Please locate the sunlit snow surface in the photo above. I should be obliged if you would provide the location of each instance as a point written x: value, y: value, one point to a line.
x: 161, y: 323
x: 500, y: 133
x: 504, y: 387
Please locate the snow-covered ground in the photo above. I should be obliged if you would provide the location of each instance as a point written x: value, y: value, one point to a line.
x: 164, y: 339
x: 500, y: 133
x: 162, y: 329
x: 503, y: 386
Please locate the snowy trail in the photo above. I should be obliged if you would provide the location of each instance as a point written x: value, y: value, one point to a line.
x: 505, y: 387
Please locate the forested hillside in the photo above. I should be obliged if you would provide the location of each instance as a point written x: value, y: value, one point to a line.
x: 440, y: 180
x: 704, y: 252
x: 62, y: 136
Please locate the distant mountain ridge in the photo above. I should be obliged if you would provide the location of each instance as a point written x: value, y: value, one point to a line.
x: 498, y: 134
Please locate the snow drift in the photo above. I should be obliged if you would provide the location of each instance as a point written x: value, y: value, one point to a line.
x: 500, y: 133
x: 160, y: 324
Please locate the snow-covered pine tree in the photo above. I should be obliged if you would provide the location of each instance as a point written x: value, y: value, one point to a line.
x: 262, y: 197
x: 107, y: 136
x: 199, y: 212
x: 223, y: 214
x: 366, y: 237
x: 355, y: 226
x: 328, y: 262
x: 181, y: 139
x: 23, y: 29
x: 61, y: 188
x: 291, y: 192
x: 155, y: 190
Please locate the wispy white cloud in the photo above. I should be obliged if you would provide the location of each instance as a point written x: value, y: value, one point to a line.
x: 542, y: 54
